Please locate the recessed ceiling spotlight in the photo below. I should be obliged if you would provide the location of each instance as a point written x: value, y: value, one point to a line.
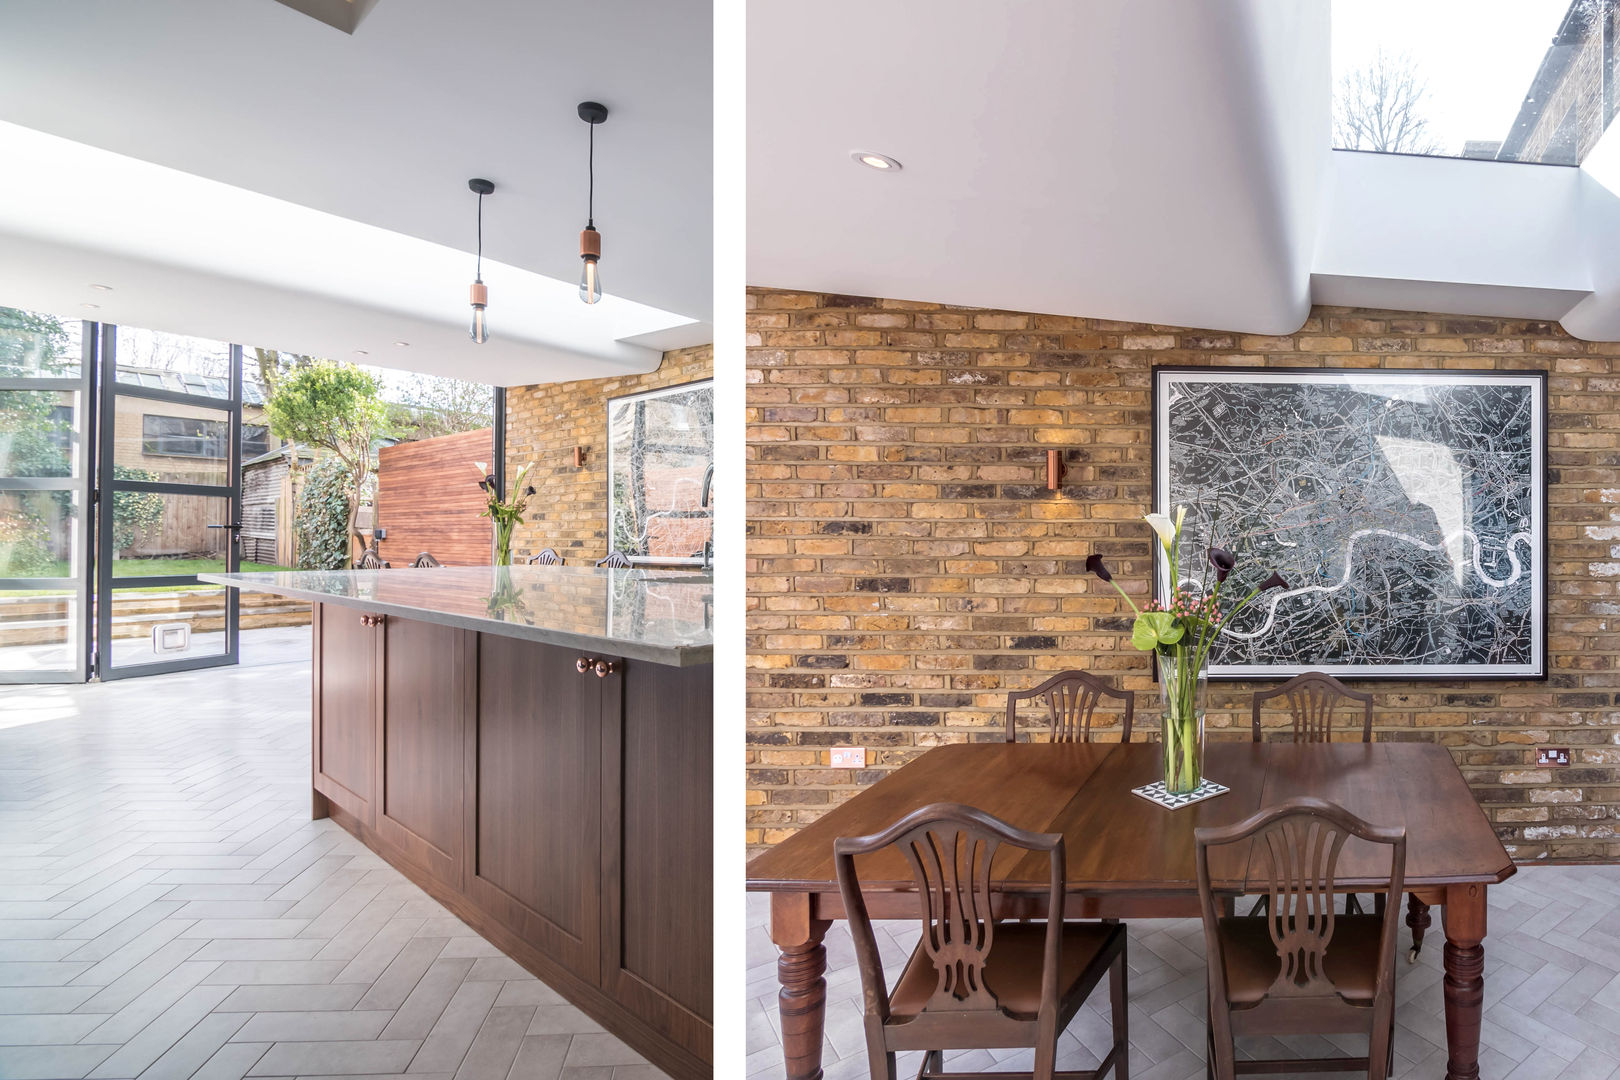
x: 402, y: 344
x: 875, y: 161
x: 91, y: 307
x: 361, y: 352
x: 102, y: 288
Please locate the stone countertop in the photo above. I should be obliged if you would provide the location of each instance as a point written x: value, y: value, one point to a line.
x: 661, y: 616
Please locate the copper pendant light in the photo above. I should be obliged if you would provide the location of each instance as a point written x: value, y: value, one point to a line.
x: 478, y: 294
x: 590, y: 241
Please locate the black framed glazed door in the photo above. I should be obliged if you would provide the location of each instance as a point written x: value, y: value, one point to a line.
x: 47, y: 410
x: 170, y: 468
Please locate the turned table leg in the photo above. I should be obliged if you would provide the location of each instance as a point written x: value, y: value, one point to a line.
x: 1417, y: 921
x: 802, y: 1001
x: 1464, y: 923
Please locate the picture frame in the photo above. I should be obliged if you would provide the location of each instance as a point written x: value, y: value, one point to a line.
x: 1406, y: 508
x: 659, y: 443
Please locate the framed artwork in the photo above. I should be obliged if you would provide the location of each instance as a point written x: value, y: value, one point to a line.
x: 1405, y: 509
x: 660, y: 446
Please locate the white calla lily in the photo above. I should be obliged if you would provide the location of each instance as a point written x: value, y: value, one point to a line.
x: 1162, y: 525
x: 1181, y: 515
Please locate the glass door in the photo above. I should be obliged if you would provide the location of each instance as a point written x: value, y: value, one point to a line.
x: 45, y: 466
x: 171, y: 492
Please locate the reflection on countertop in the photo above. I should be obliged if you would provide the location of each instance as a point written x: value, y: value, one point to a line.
x: 662, y: 616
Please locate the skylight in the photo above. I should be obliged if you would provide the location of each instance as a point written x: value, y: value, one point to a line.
x: 1505, y: 80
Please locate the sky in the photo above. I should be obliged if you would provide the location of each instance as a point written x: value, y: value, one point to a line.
x: 1477, y: 56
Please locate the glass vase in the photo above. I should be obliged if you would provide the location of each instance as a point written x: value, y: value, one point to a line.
x: 1182, y: 682
x: 503, y: 542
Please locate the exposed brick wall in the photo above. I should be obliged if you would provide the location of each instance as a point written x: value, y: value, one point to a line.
x: 907, y: 566
x: 543, y: 425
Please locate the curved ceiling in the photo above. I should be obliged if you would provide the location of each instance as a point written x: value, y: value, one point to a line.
x: 1158, y: 161
x: 382, y: 128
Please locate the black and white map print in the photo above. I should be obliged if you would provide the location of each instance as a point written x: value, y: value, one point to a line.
x: 1404, y: 511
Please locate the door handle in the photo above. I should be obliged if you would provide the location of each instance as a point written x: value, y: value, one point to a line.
x: 604, y: 668
x: 584, y: 664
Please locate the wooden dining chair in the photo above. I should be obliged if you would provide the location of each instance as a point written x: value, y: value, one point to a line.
x: 616, y: 559
x: 1302, y: 969
x: 424, y: 560
x: 1071, y: 698
x: 973, y: 982
x: 1313, y: 700
x: 370, y: 560
x: 546, y: 557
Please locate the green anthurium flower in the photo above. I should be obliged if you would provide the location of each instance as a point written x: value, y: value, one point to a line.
x: 1155, y: 628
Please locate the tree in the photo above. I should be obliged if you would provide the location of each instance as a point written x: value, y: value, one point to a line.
x: 336, y: 407
x: 429, y: 406
x: 1380, y: 107
x: 272, y: 365
x: 34, y: 345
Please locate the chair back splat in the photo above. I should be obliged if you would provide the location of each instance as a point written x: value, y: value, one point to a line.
x: 1314, y: 700
x: 1071, y: 699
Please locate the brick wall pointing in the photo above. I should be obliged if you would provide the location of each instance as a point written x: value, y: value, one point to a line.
x: 543, y: 425
x: 907, y: 566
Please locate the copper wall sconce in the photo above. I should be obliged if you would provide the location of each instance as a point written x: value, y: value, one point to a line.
x: 579, y: 457
x: 1054, y: 469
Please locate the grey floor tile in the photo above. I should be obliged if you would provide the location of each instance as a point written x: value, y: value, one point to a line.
x: 362, y: 1058
x: 52, y: 1062
x: 496, y: 1045
x: 313, y: 1026
x: 601, y: 1049
x: 457, y: 1026
x: 540, y: 1057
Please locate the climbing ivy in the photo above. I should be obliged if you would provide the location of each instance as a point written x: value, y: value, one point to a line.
x: 134, y: 512
x: 323, y: 517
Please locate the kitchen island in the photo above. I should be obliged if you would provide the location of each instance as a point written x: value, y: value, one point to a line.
x: 532, y: 745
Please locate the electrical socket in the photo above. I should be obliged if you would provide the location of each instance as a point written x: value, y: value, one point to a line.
x: 848, y: 757
x: 1552, y: 757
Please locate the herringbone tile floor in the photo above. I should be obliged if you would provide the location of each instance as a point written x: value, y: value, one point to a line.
x: 168, y: 910
x: 1552, y: 994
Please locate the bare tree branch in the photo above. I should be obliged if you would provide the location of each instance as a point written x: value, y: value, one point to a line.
x: 1380, y: 107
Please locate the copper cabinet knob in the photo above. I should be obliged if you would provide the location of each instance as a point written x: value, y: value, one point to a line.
x: 583, y: 664
x: 604, y: 668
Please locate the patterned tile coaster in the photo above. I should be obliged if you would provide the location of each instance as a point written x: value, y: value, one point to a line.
x: 1155, y: 792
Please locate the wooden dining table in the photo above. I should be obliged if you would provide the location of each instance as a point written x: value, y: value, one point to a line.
x: 1132, y: 859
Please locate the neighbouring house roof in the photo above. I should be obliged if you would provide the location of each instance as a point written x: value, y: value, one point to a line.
x: 304, y: 455
x: 185, y: 382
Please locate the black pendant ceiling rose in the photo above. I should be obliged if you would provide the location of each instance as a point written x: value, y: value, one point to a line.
x: 478, y: 294
x: 590, y: 241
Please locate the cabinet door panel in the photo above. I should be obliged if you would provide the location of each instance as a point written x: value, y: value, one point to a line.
x: 345, y: 731
x: 658, y: 865
x: 536, y: 830
x: 426, y: 687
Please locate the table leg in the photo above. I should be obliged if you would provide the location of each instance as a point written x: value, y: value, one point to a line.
x: 1464, y: 922
x: 1417, y: 921
x: 802, y: 1002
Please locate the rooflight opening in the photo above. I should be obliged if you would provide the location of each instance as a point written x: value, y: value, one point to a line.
x: 1503, y: 80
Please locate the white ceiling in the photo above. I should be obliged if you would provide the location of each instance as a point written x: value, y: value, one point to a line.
x: 325, y: 175
x: 1160, y: 161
